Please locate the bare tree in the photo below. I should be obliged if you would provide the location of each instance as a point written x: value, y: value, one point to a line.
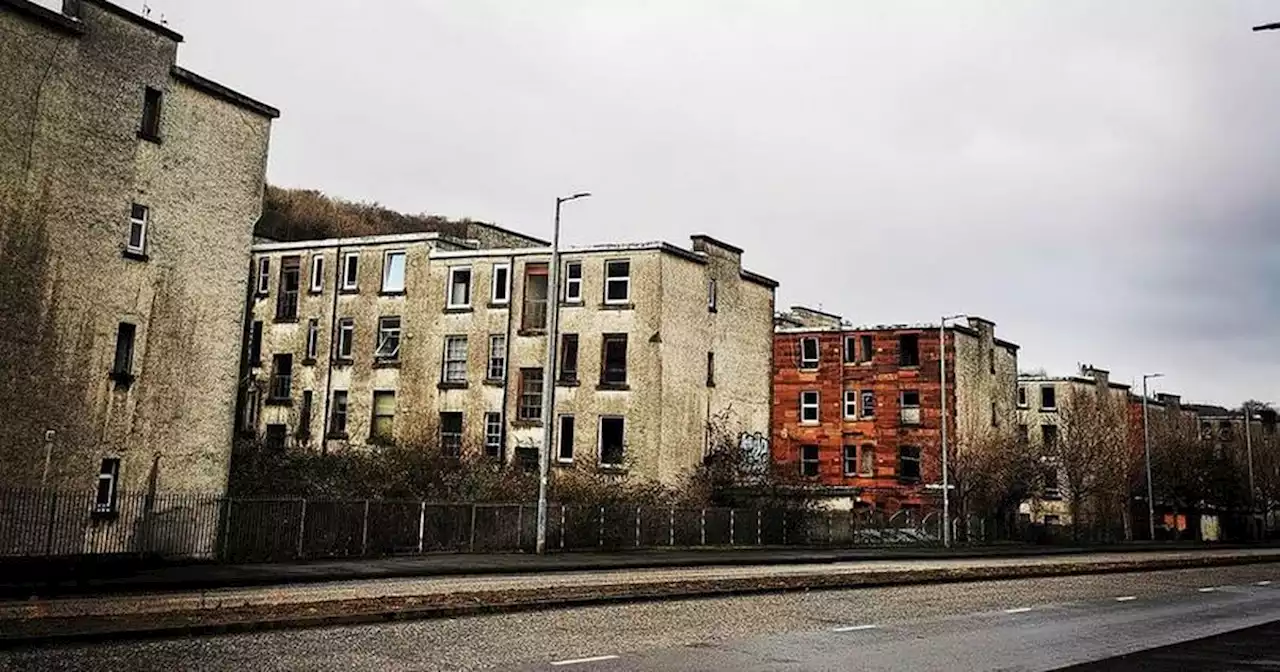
x: 1091, y: 452
x: 993, y: 473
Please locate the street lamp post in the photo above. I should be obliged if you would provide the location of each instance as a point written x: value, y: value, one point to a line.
x: 1253, y: 495
x: 1146, y: 447
x: 548, y: 373
x: 946, y: 474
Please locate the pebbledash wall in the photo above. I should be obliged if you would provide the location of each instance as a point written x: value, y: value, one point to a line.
x: 691, y: 334
x: 874, y: 439
x: 77, y: 163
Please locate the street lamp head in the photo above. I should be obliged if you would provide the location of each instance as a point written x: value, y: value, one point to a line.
x: 1267, y: 26
x: 1148, y: 376
x: 580, y: 194
x: 948, y: 318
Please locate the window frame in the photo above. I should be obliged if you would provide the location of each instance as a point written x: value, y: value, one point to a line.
x: 712, y: 298
x: 452, y: 282
x: 316, y: 285
x: 609, y: 281
x: 850, y: 349
x: 458, y: 374
x: 313, y: 340
x: 142, y: 224
x: 249, y: 411
x: 600, y: 447
x: 451, y: 441
x: 806, y: 461
x: 1021, y: 398
x: 523, y: 407
x: 567, y: 367
x: 264, y: 276
x: 815, y: 406
x: 807, y: 363
x: 280, y: 390
x: 346, y: 336
x: 503, y: 269
x: 109, y: 471
x: 904, y: 458
x: 386, y: 332
x: 846, y: 460
x: 866, y: 348
x: 863, y: 397
x: 125, y: 352
x: 574, y: 296
x: 605, y: 370
x: 374, y: 416
x: 910, y: 419
x: 350, y: 280
x: 493, y: 439
x: 287, y: 300
x: 867, y: 451
x: 501, y: 360
x: 566, y: 438
x: 903, y: 360
x: 1053, y: 390
x: 387, y: 256
x: 850, y: 406
x: 152, y: 114
x: 529, y: 307
x: 339, y: 409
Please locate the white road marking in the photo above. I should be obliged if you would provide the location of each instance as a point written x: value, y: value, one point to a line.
x: 1126, y: 598
x: 1207, y: 589
x: 1264, y: 583
x: 851, y: 628
x: 1017, y: 610
x: 576, y: 661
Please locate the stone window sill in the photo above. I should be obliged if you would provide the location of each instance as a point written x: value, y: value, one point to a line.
x: 386, y: 363
x: 613, y: 387
x: 451, y: 385
x: 617, y: 306
x: 134, y: 255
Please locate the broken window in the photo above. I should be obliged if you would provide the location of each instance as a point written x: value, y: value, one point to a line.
x: 613, y: 372
x: 865, y: 349
x: 382, y: 425
x: 151, y: 106
x: 1048, y: 398
x: 459, y: 287
x: 290, y: 283
x: 346, y: 338
x: 338, y: 415
x: 350, y: 271
x: 500, y: 291
x: 137, y: 242
x: 568, y: 358
x: 393, y: 271
x: 809, y: 353
x: 317, y: 273
x: 455, y: 359
x: 612, y: 441
x: 565, y: 452
x: 493, y: 435
x: 809, y: 461
x: 281, y: 378
x: 910, y: 407
x: 530, y: 403
x: 533, y: 316
x: 868, y: 459
x: 909, y: 464
x: 909, y: 350
x: 122, y: 365
x: 850, y: 460
x: 617, y: 281
x: 868, y: 404
x: 809, y: 406
x: 388, y: 349
x: 497, y: 368
x: 451, y: 433
x: 573, y: 282
x: 108, y: 482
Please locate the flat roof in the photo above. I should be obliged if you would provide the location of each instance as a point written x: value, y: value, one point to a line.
x: 137, y: 19
x: 224, y: 93
x: 360, y: 241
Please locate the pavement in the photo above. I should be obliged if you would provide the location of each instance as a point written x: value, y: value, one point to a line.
x: 1100, y: 622
x: 199, y: 612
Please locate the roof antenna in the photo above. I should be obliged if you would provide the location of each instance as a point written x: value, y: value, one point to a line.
x: 163, y: 21
x: 146, y: 10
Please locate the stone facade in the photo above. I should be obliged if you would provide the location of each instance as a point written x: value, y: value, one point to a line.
x: 471, y: 333
x: 874, y: 439
x: 119, y: 339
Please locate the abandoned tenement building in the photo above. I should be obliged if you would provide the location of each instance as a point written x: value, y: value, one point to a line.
x: 438, y: 341
x: 129, y: 187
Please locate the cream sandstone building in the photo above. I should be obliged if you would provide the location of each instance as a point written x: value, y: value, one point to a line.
x: 438, y: 341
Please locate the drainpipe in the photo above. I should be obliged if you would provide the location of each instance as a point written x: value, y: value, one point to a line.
x: 333, y: 325
x: 506, y: 366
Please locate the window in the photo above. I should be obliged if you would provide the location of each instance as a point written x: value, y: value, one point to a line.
x: 317, y: 274
x: 711, y: 369
x: 338, y: 414
x: 850, y: 404
x: 564, y: 453
x: 497, y: 369
x: 249, y: 413
x: 1048, y: 398
x: 151, y: 104
x: 850, y: 460
x: 393, y: 267
x: 809, y: 407
x: 1024, y: 435
x: 122, y: 366
x: 304, y: 416
x: 1022, y: 396
x: 108, y: 482
x: 264, y: 276
x: 868, y: 405
x: 909, y: 464
x: 910, y: 407
x: 501, y: 289
x: 388, y: 339
x: 617, y: 281
x: 573, y: 282
x: 493, y: 435
x: 530, y: 404
x: 613, y: 372
x: 612, y: 441
x: 568, y: 359
x: 534, y: 315
x: 459, y: 287
x: 1049, y: 436
x: 995, y: 415
x: 346, y: 338
x: 290, y: 283
x: 711, y: 295
x: 313, y: 339
x: 451, y: 434
x: 382, y: 426
x: 455, y: 359
x: 281, y: 378
x: 909, y: 350
x: 809, y: 353
x: 867, y: 350
x: 868, y: 462
x: 255, y: 343
x: 137, y: 229
x: 850, y: 351
x: 991, y: 357
x: 275, y: 436
x: 1049, y: 477
x: 350, y: 271
x: 809, y: 461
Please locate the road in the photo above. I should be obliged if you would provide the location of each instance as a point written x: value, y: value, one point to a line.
x: 1034, y: 624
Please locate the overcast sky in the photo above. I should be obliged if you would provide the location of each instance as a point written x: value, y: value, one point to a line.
x: 1099, y: 178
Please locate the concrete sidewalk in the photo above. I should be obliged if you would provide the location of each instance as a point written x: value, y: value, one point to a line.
x: 179, y: 577
x: 251, y: 608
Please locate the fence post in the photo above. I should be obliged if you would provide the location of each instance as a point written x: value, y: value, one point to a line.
x: 48, y: 532
x: 830, y: 540
x: 472, y: 544
x: 759, y: 525
x: 519, y: 526
x: 600, y: 538
x: 302, y: 527
x: 732, y: 520
x: 637, y: 526
x: 671, y: 527
x: 704, y: 527
x: 562, y: 528
x: 422, y: 523
x: 223, y: 550
x: 364, y: 531
x: 784, y: 527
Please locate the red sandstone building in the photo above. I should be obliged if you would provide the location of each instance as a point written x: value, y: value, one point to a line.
x: 857, y: 410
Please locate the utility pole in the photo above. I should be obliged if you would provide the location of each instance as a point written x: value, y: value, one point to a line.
x: 1146, y: 447
x: 548, y: 373
x: 946, y: 473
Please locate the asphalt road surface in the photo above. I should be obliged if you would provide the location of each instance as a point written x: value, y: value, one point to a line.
x: 1100, y: 622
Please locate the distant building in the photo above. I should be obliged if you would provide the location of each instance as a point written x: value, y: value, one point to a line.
x: 857, y: 410
x: 434, y: 341
x: 129, y: 187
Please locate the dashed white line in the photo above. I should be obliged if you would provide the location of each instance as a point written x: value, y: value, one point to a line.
x: 1264, y: 583
x: 1017, y: 610
x: 1207, y: 589
x: 852, y: 628
x: 1126, y: 598
x: 576, y: 661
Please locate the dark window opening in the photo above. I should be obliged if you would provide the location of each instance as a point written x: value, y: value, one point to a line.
x: 533, y: 316
x: 868, y: 405
x: 909, y: 464
x: 711, y: 369
x: 122, y: 365
x: 530, y: 406
x: 612, y: 441
x: 565, y: 452
x: 866, y: 351
x: 338, y: 414
x: 1048, y: 397
x: 909, y: 350
x: 614, y: 355
x: 850, y: 460
x: 451, y: 434
x: 850, y: 349
x: 910, y: 407
x: 281, y: 378
x: 809, y: 353
x: 275, y: 437
x: 1049, y: 436
x: 290, y: 284
x: 108, y: 484
x: 151, y: 104
x: 304, y: 416
x: 568, y: 358
x: 809, y: 461
x: 255, y: 343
